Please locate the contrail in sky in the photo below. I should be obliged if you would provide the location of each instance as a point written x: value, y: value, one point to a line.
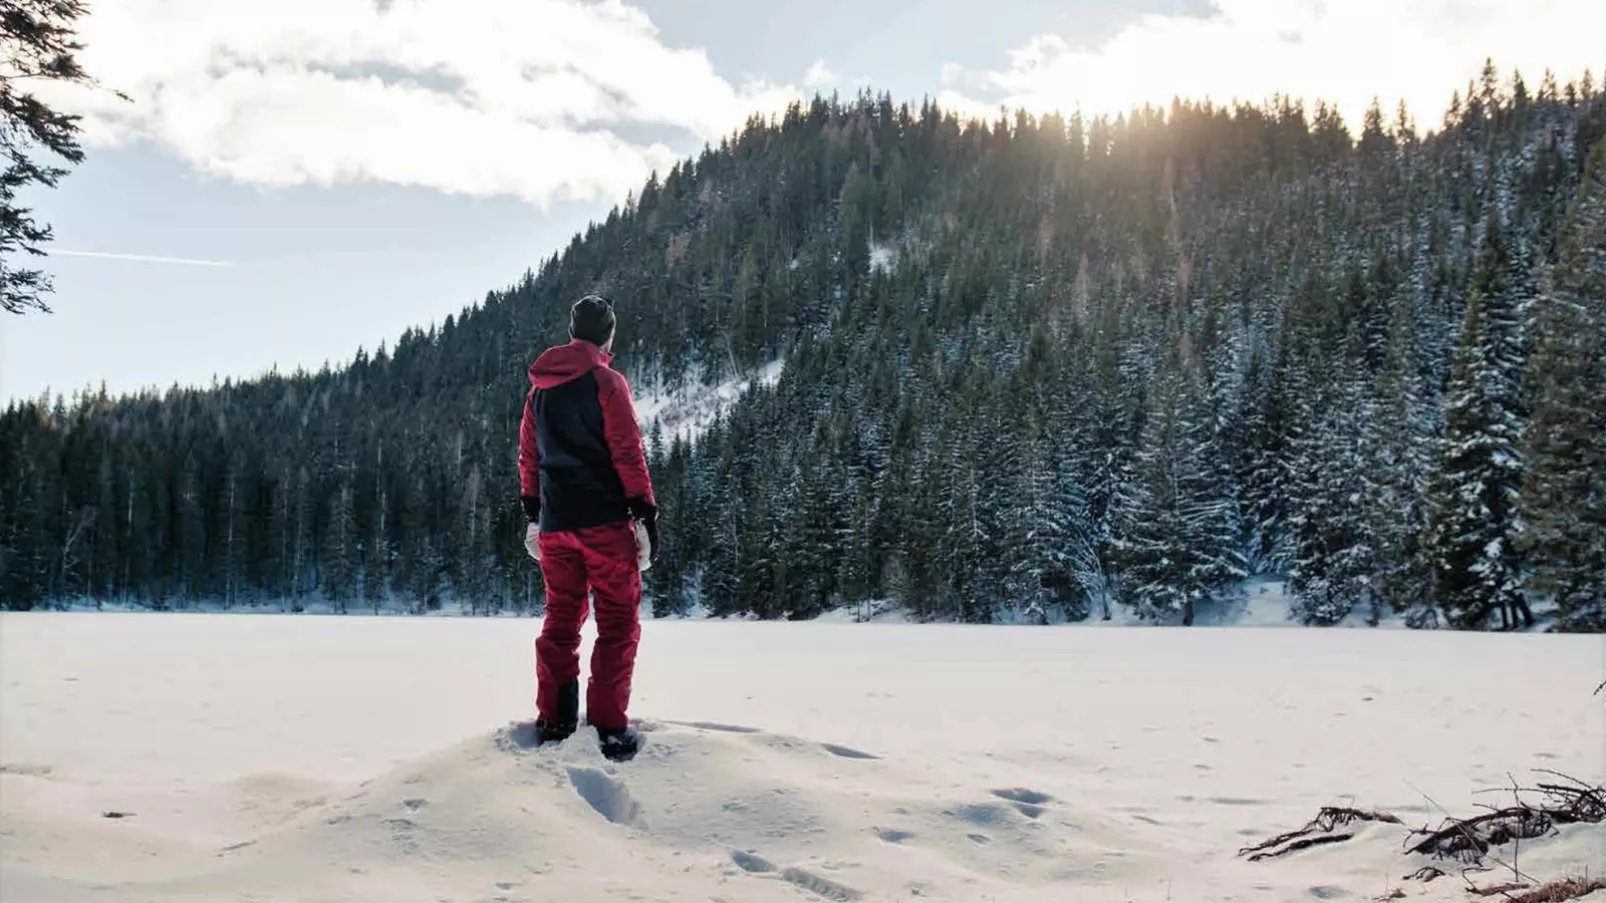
x: 139, y: 258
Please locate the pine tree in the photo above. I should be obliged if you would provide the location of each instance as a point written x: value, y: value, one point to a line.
x: 1476, y: 568
x: 39, y: 46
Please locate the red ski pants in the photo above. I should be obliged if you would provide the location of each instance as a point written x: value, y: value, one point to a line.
x: 601, y: 562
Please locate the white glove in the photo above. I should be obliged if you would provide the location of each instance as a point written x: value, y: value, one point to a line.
x: 532, y: 541
x: 643, y: 549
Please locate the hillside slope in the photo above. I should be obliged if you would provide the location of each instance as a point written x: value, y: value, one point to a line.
x: 1035, y: 367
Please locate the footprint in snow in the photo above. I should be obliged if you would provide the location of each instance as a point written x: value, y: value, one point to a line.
x: 1028, y: 802
x: 610, y: 798
x: 823, y: 887
x: 754, y: 864
x: 847, y: 752
x: 981, y: 815
x: 31, y: 770
x: 517, y: 736
x: 1023, y: 795
x: 892, y: 835
x: 751, y: 863
x: 715, y: 726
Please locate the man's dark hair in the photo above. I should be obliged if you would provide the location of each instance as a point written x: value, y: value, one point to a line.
x: 591, y: 318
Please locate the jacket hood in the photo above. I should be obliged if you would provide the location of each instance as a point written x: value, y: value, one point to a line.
x: 565, y: 363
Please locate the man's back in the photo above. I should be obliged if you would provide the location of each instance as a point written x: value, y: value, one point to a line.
x: 575, y: 402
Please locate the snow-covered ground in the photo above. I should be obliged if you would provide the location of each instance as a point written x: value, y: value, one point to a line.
x: 275, y: 758
x: 688, y: 412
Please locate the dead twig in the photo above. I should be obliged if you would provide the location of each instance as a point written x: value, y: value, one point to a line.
x: 1470, y: 839
x: 1475, y: 848
x: 1497, y: 889
x: 1561, y: 891
x: 1303, y: 843
x: 1329, y: 819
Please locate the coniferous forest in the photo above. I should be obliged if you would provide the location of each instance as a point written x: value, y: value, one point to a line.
x: 1034, y: 369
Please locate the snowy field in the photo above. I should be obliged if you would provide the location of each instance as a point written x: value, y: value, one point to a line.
x: 312, y: 758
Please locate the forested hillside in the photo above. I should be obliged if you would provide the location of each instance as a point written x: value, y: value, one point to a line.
x: 1035, y: 368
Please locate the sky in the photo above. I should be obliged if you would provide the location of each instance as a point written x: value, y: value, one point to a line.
x: 291, y: 181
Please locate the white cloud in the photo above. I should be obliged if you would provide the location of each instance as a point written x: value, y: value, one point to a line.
x: 1342, y: 52
x: 819, y: 76
x: 484, y: 97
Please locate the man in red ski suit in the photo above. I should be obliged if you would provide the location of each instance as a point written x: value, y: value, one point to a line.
x: 585, y: 488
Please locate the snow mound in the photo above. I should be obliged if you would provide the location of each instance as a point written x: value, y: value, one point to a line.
x: 705, y: 811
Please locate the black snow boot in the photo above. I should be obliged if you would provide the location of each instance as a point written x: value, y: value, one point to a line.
x: 619, y: 746
x: 552, y: 731
x: 568, y: 717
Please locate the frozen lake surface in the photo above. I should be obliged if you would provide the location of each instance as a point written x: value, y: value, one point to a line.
x: 359, y: 758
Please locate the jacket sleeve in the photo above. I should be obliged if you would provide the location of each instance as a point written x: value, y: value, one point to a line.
x: 624, y: 436
x: 529, y: 452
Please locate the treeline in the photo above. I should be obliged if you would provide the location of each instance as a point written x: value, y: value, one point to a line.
x: 1034, y: 368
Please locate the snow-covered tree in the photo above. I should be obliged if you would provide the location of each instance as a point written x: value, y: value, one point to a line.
x: 1472, y: 497
x: 1174, y: 533
x: 1564, y: 498
x: 1335, y: 557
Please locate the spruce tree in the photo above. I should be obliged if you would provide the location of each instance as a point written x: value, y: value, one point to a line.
x: 1401, y: 429
x: 1469, y: 544
x: 1335, y: 567
x: 1564, y: 497
x: 1174, y: 535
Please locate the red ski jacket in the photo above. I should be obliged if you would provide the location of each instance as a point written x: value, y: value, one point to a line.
x: 580, y: 449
